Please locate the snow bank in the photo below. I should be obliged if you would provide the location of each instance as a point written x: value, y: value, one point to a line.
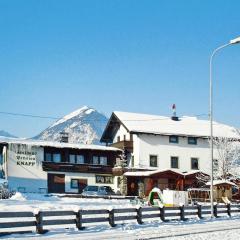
x: 18, y: 196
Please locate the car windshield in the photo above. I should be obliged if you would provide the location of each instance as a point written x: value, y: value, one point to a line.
x: 108, y: 189
x: 92, y: 188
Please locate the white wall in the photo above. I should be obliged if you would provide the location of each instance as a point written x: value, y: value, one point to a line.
x: 120, y: 133
x: 25, y: 170
x: 147, y: 145
x: 90, y: 178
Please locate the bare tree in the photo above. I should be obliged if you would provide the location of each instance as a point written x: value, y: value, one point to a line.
x: 227, y: 162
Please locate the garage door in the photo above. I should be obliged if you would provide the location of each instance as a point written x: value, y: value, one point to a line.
x: 56, y: 183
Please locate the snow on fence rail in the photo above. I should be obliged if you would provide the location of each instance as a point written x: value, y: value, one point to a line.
x: 81, y: 218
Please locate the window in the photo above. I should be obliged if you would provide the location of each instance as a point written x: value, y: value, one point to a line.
x: 56, y: 157
x: 74, y: 183
x: 53, y: 157
x: 194, y: 163
x: 80, y: 159
x: 48, y: 157
x: 153, y: 160
x: 104, y: 179
x: 103, y: 160
x: 192, y: 140
x: 118, y: 138
x: 76, y: 159
x: 72, y: 158
x: 95, y: 159
x: 174, y: 162
x: 173, y: 139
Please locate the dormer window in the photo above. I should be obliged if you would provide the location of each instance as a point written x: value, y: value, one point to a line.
x: 173, y: 139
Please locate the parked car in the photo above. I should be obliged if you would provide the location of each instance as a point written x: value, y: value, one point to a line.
x: 97, y: 191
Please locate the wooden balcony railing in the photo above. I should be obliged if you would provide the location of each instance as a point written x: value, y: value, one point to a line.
x: 83, y: 168
x: 125, y: 145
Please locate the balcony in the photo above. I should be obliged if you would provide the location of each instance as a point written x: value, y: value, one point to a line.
x: 124, y: 145
x: 81, y: 168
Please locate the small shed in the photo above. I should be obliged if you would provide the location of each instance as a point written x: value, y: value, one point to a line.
x: 222, y: 190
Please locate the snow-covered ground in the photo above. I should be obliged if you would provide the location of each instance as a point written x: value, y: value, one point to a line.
x: 29, y: 202
x: 194, y: 229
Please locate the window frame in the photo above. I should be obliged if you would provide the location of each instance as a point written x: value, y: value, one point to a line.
x: 74, y: 158
x: 74, y: 179
x: 81, y: 157
x: 104, y: 179
x: 50, y: 155
x: 55, y: 154
x: 192, y: 138
x: 171, y: 162
x: 194, y: 158
x: 105, y: 159
x: 153, y: 155
x: 96, y: 157
x: 174, y: 136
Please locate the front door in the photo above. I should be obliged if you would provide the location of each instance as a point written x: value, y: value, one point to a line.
x: 56, y: 183
x: 82, y: 183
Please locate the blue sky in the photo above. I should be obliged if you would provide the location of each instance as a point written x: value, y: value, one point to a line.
x: 138, y: 56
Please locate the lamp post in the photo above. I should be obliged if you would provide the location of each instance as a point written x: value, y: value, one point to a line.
x: 234, y: 41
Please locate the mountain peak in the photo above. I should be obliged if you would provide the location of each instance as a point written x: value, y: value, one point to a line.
x: 6, y: 134
x: 84, y: 125
x: 79, y: 112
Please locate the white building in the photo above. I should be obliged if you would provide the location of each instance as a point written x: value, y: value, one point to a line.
x: 164, y: 143
x: 39, y: 166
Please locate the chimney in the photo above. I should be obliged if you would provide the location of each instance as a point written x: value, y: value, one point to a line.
x: 64, y: 137
x: 174, y: 116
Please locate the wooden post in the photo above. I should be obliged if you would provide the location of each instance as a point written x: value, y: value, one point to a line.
x: 162, y: 213
x: 111, y: 218
x: 215, y: 211
x: 79, y: 220
x: 139, y: 215
x: 182, y: 216
x: 229, y: 209
x: 199, y: 211
x: 39, y: 223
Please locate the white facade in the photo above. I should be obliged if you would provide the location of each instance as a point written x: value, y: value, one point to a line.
x: 145, y: 145
x: 150, y: 136
x: 23, y: 167
x: 91, y: 179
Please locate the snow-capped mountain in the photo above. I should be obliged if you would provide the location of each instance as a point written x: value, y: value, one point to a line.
x: 84, y: 125
x: 6, y: 134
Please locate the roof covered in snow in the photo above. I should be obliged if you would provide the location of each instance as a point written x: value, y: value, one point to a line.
x: 150, y: 173
x: 184, y: 126
x: 220, y: 182
x: 55, y: 144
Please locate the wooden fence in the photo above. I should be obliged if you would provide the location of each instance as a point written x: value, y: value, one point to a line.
x: 9, y: 221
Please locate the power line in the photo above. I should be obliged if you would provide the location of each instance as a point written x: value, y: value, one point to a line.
x: 89, y: 120
x: 29, y: 115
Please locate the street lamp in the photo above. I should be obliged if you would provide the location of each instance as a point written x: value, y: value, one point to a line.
x: 233, y: 41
